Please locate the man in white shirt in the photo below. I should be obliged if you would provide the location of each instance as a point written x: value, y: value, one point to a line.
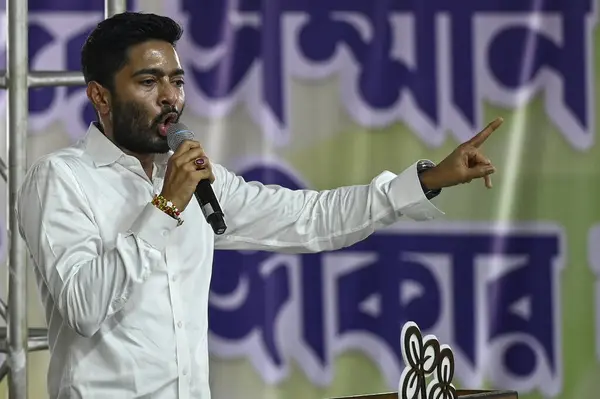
x: 122, y: 254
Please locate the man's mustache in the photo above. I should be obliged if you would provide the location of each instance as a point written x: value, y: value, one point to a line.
x: 166, y: 111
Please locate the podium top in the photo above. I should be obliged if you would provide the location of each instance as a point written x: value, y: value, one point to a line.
x: 464, y: 394
x: 424, y: 356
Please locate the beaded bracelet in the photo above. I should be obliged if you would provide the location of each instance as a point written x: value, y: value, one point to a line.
x: 167, y: 207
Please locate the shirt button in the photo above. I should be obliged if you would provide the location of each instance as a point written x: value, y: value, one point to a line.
x: 184, y: 372
x: 164, y: 233
x: 179, y: 324
x: 173, y: 278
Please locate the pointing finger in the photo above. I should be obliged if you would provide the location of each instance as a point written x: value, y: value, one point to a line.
x: 482, y: 136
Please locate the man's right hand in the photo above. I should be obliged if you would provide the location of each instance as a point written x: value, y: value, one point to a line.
x: 186, y: 167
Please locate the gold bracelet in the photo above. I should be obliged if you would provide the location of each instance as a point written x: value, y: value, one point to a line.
x: 167, y: 207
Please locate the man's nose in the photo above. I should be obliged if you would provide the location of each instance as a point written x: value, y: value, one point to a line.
x: 168, y: 94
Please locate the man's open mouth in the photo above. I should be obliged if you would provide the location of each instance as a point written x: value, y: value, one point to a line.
x: 167, y: 120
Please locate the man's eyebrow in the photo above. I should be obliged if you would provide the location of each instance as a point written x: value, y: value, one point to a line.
x: 157, y: 72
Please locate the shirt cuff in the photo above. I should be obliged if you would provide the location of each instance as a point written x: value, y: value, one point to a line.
x: 153, y: 226
x: 408, y: 197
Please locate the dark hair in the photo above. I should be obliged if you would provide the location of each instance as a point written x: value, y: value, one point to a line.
x: 105, y: 51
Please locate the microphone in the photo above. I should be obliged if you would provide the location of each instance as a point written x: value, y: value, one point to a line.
x: 176, y: 134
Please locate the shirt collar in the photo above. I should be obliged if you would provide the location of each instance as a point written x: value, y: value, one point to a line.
x: 104, y: 152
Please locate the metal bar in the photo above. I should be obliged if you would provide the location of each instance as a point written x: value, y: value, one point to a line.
x: 34, y: 344
x: 17, y: 81
x: 3, y: 308
x: 112, y: 7
x: 37, y: 344
x: 55, y: 78
x: 4, y: 369
x: 3, y: 171
x: 34, y: 332
x: 18, y: 106
x: 48, y: 79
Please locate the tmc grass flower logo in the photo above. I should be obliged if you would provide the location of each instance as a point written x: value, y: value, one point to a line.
x: 424, y: 357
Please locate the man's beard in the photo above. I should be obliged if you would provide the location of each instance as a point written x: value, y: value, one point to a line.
x: 132, y: 132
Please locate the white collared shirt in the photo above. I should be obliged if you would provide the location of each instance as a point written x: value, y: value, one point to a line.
x: 125, y: 290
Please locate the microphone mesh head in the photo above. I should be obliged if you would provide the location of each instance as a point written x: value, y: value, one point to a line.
x: 177, y: 133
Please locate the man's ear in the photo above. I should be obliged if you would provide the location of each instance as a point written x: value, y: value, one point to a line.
x: 100, y: 97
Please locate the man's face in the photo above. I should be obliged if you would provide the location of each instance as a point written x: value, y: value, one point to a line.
x: 148, y: 96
